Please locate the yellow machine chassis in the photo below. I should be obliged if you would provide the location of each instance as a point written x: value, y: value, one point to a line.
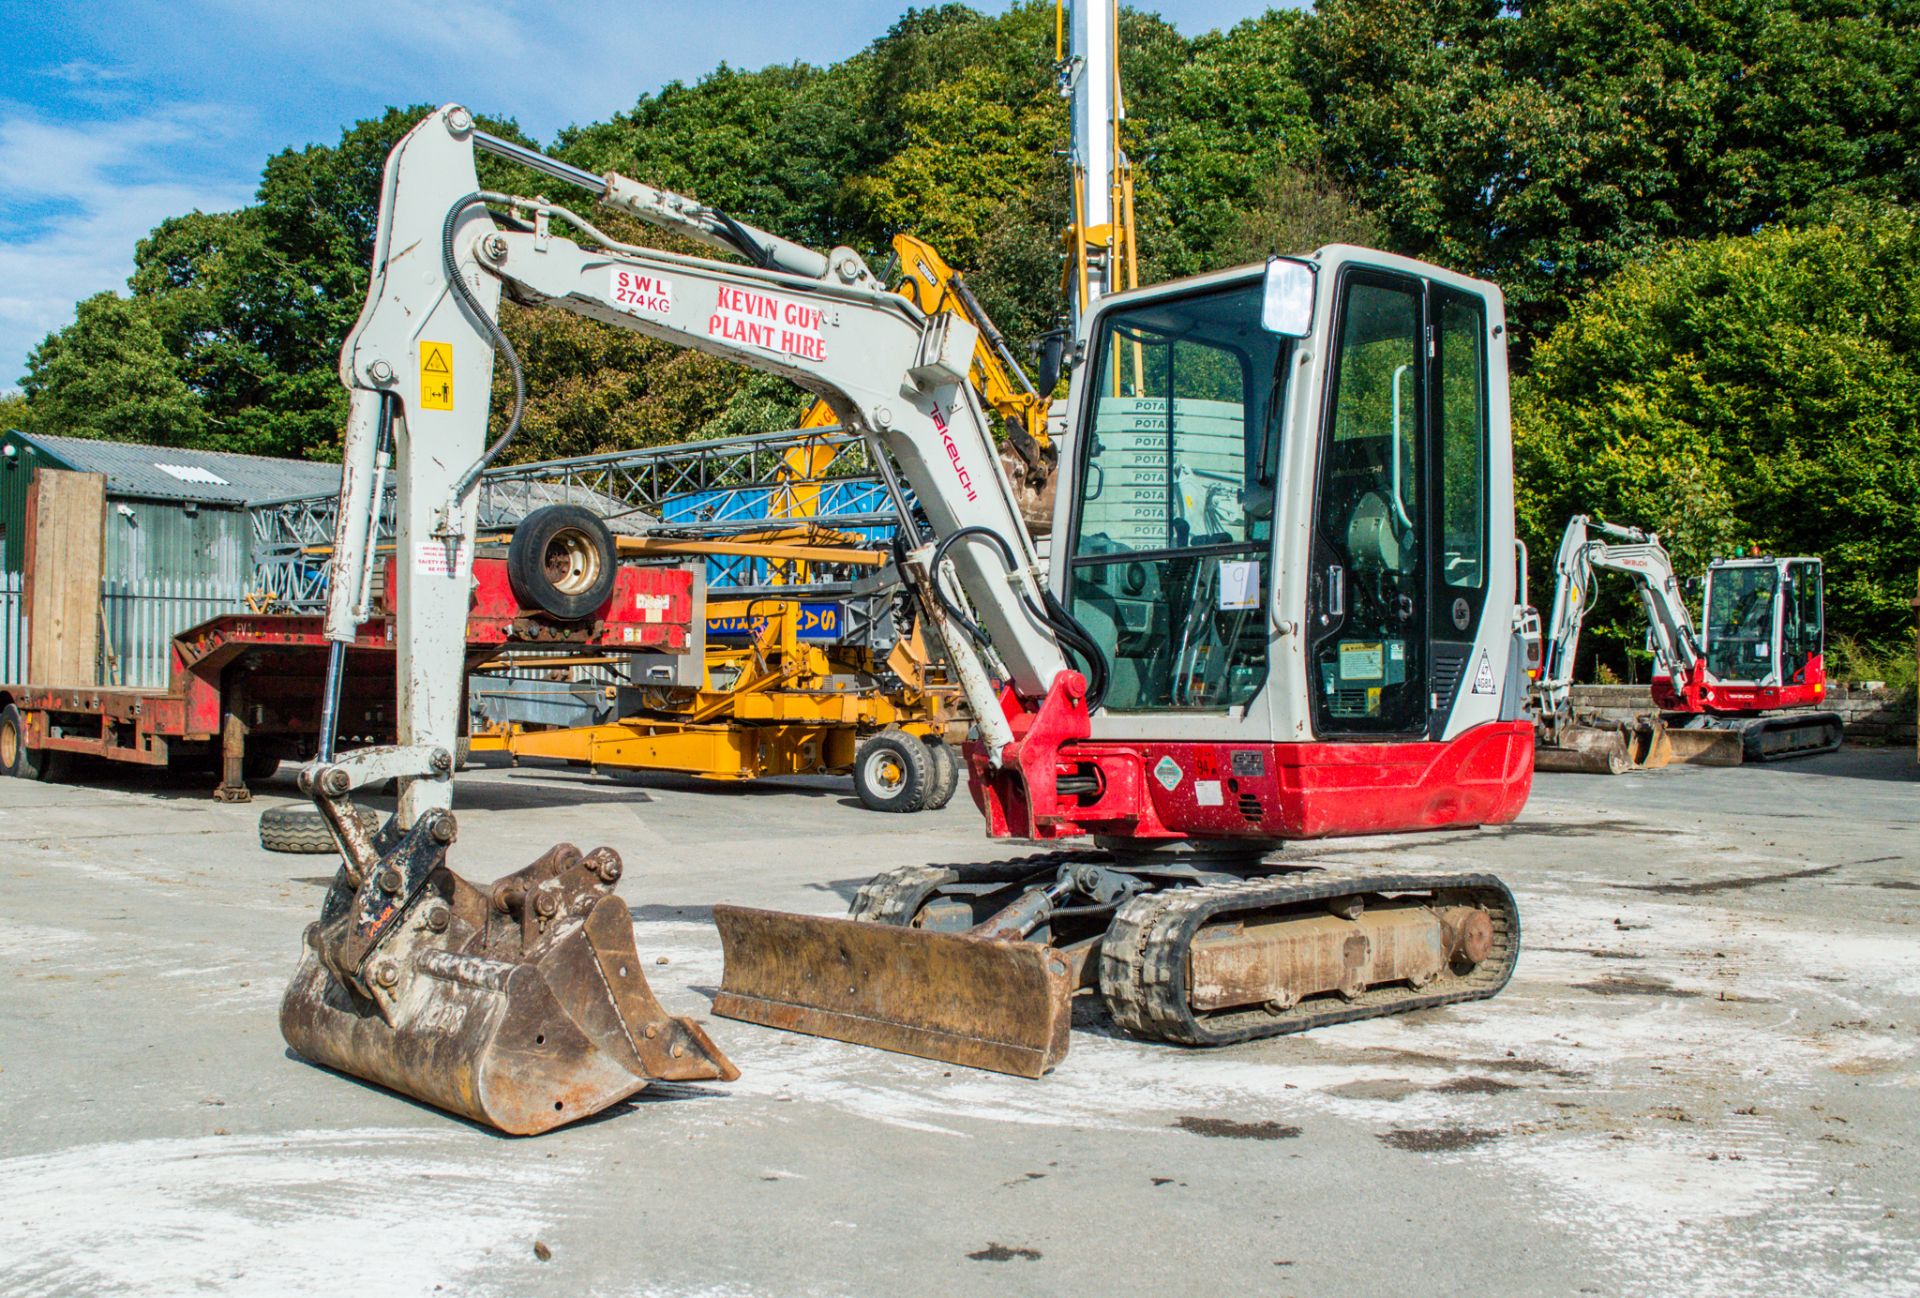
x: 776, y: 706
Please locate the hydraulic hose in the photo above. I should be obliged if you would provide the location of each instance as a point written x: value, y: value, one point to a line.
x: 750, y: 248
x: 1051, y: 613
x: 450, y: 262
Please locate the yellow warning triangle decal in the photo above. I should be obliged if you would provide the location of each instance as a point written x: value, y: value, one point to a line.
x: 435, y: 362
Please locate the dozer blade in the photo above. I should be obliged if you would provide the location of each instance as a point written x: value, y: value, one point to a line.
x: 977, y: 1001
x: 522, y: 1006
x: 1706, y: 746
x: 1609, y: 748
x: 1584, y: 750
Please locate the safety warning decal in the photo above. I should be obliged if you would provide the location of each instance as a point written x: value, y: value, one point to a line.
x: 1483, y: 678
x: 768, y: 321
x: 1168, y: 772
x: 641, y: 293
x: 439, y: 559
x: 436, y: 376
x: 652, y: 608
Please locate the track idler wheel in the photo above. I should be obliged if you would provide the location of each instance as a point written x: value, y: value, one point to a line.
x: 522, y: 1006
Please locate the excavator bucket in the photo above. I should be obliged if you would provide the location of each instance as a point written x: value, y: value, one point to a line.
x: 965, y: 999
x: 522, y: 1006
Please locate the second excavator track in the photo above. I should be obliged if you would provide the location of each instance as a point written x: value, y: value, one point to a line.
x: 1144, y: 957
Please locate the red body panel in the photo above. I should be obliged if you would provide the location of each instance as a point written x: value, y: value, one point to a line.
x: 1705, y: 694
x: 1264, y: 791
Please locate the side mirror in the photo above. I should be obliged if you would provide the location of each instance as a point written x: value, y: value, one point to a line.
x: 1053, y: 348
x: 1287, y: 306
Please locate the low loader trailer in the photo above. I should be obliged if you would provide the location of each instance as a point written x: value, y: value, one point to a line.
x: 244, y: 690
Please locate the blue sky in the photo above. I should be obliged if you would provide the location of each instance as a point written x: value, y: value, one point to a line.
x: 115, y: 114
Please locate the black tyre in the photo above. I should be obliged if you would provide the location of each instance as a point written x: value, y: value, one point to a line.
x: 946, y: 772
x: 22, y: 762
x: 259, y: 764
x: 561, y: 561
x: 303, y: 830
x: 893, y: 771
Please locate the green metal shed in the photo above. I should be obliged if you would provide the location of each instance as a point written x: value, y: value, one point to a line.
x: 179, y: 544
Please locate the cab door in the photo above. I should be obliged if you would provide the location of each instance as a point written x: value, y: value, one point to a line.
x: 1367, y: 598
x: 1401, y: 562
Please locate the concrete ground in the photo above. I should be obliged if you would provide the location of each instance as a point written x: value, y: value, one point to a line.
x: 1702, y: 1079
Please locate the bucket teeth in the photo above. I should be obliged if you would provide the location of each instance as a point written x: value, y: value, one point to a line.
x: 522, y: 1006
x: 956, y: 997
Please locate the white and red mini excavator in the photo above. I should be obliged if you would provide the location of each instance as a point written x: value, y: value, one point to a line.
x: 1280, y: 604
x: 1744, y: 690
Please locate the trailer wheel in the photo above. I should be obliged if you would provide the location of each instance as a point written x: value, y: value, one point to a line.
x: 22, y: 762
x: 893, y: 771
x: 259, y: 764
x: 561, y: 561
x: 304, y: 831
x: 946, y: 773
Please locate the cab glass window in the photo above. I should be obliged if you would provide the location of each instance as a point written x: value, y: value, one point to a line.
x: 1170, y: 545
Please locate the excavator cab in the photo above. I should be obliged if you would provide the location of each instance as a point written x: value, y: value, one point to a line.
x: 1764, y: 625
x: 1288, y: 540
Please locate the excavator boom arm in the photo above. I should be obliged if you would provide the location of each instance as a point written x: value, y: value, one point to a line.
x: 891, y: 372
x: 1640, y: 555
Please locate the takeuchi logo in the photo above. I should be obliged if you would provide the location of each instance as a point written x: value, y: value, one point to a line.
x: 953, y: 454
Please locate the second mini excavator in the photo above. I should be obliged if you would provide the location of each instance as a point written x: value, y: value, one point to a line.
x: 1745, y: 690
x: 1325, y: 645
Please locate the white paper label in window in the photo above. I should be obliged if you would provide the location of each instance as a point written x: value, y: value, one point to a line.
x: 1239, y: 583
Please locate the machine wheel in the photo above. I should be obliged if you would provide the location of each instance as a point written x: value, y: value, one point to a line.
x: 946, y: 773
x: 304, y: 831
x: 22, y: 762
x: 893, y: 771
x: 259, y: 764
x: 561, y: 561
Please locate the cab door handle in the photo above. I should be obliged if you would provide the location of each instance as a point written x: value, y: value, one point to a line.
x: 1336, y: 592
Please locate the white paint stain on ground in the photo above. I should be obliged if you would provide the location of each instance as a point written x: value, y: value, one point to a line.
x: 1672, y: 1201
x: 283, y: 1216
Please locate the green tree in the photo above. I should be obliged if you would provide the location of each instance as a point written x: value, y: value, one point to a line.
x: 109, y: 375
x: 592, y: 389
x: 1544, y: 145
x: 1214, y: 125
x: 1295, y: 210
x: 1744, y: 391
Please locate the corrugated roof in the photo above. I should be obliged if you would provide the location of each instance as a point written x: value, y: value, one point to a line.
x: 173, y: 473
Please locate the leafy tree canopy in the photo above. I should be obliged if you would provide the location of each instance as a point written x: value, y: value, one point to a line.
x: 1660, y: 187
x: 1545, y: 145
x: 1743, y: 392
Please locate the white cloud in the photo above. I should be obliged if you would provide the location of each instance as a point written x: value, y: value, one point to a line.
x: 75, y: 198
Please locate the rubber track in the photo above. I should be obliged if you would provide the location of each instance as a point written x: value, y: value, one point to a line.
x: 1143, y: 961
x: 1824, y: 732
